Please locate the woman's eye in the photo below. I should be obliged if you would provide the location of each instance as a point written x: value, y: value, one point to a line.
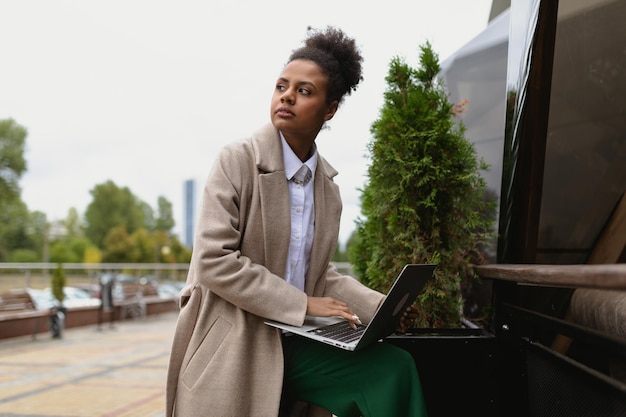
x: 304, y: 91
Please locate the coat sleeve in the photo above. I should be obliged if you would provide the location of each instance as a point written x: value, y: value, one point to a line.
x: 362, y: 300
x: 227, y: 217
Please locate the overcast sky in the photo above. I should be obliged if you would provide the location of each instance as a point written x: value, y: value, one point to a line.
x: 145, y: 92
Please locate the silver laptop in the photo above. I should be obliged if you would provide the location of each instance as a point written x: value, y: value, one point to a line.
x: 336, y: 331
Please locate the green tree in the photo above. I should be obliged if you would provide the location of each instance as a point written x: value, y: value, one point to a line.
x: 68, y: 243
x: 12, y: 162
x: 93, y: 255
x: 21, y: 230
x: 149, y: 221
x: 15, y: 221
x: 70, y: 249
x: 36, y: 230
x: 422, y: 202
x: 60, y: 252
x: 72, y: 224
x: 144, y: 246
x: 13, y: 227
x: 117, y: 246
x: 113, y: 207
x: 162, y: 250
x: 23, y: 255
x: 178, y: 252
x: 165, y: 215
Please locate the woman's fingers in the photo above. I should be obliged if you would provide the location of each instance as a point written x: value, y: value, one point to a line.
x: 328, y: 306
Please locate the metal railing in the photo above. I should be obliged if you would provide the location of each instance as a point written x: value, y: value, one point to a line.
x: 32, y: 275
x: 43, y: 266
x: 25, y: 274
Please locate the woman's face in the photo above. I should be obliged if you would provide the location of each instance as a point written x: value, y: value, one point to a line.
x: 299, y: 108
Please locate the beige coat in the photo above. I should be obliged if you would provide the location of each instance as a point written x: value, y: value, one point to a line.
x: 225, y: 361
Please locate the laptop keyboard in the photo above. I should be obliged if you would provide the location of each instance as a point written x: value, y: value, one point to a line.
x: 340, y: 331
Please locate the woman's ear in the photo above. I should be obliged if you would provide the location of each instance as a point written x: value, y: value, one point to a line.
x: 332, y: 109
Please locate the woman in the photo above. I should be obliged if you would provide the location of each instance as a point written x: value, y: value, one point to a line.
x: 267, y: 230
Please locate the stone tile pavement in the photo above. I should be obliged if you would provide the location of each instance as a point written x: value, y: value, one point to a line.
x: 111, y: 372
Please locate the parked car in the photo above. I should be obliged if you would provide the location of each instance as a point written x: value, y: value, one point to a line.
x: 170, y: 289
x: 92, y: 289
x: 74, y: 297
x: 125, y: 278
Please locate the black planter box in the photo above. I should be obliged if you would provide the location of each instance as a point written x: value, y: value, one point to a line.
x: 459, y: 370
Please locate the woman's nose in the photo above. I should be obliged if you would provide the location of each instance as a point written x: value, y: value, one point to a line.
x: 287, y: 97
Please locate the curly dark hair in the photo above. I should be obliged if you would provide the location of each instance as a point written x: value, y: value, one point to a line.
x: 337, y: 55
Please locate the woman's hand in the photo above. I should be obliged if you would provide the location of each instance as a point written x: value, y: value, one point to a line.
x: 328, y: 306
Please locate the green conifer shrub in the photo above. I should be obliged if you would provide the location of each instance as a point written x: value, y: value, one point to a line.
x: 423, y: 199
x: 58, y: 283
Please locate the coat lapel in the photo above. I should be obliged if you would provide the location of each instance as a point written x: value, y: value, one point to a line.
x: 274, y: 198
x: 327, y: 216
x: 275, y: 216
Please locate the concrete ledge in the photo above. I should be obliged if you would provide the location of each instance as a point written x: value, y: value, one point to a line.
x: 24, y: 323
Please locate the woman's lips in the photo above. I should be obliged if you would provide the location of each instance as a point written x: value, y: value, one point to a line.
x: 283, y: 112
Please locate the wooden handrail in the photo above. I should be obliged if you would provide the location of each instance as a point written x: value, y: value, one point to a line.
x: 599, y: 276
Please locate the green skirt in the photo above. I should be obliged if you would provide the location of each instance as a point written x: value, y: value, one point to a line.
x: 379, y: 381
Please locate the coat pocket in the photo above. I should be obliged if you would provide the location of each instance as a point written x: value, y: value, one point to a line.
x: 205, y: 352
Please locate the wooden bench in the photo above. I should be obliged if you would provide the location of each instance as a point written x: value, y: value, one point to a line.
x: 16, y: 300
x: 17, y: 308
x: 133, y: 301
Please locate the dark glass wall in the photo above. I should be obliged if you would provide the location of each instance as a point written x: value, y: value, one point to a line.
x: 565, y: 143
x: 585, y: 161
x: 531, y: 43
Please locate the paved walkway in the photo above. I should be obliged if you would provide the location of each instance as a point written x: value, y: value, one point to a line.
x: 115, y: 372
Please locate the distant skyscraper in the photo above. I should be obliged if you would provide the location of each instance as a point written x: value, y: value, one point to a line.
x: 189, y: 206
